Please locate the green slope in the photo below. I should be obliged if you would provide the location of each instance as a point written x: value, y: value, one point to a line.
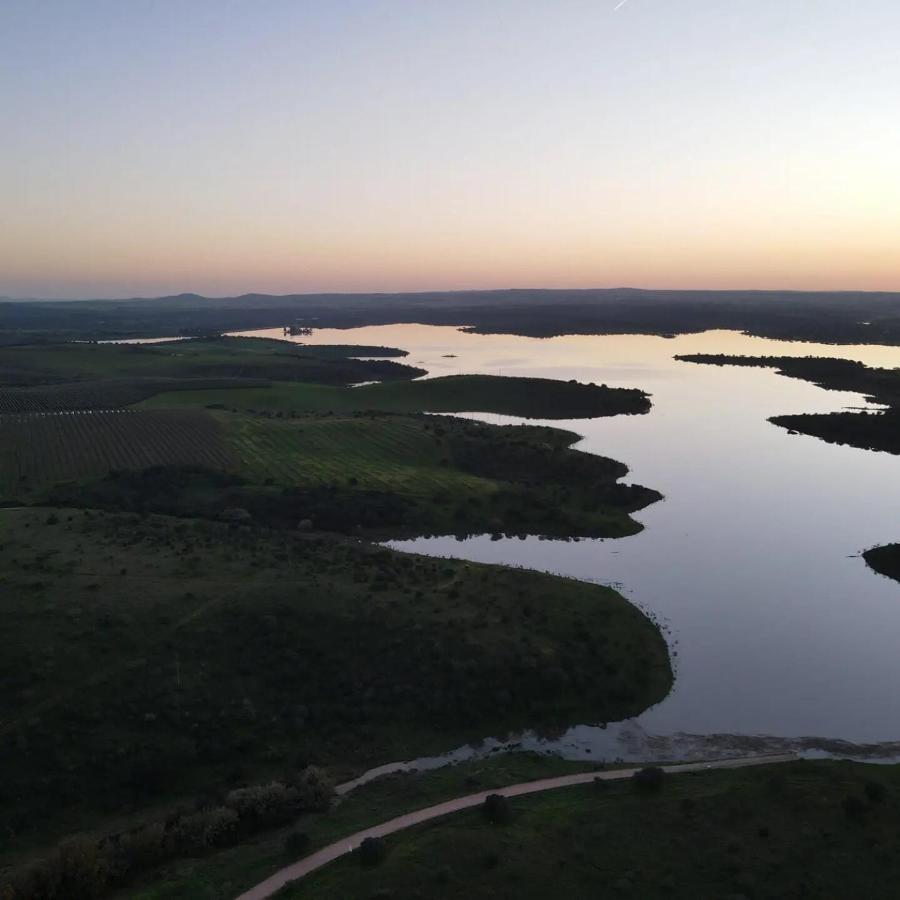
x: 529, y: 397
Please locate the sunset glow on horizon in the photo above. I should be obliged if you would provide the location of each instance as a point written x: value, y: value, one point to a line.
x: 224, y: 147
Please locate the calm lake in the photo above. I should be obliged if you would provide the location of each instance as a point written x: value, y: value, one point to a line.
x: 751, y: 563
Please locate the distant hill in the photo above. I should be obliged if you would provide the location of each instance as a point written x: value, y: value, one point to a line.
x: 840, y: 317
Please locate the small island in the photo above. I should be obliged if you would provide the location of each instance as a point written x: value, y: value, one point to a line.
x: 885, y: 560
x: 866, y: 429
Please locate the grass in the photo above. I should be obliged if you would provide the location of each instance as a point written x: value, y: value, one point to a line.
x: 254, y: 345
x: 232, y: 871
x: 152, y: 660
x: 38, y: 451
x: 379, y: 475
x: 104, y: 394
x: 252, y: 358
x: 379, y: 453
x: 808, y: 829
x: 534, y: 398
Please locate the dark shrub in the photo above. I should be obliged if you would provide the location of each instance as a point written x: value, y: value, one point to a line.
x: 296, y: 843
x: 315, y: 790
x: 497, y: 809
x: 649, y: 780
x: 372, y: 851
x: 875, y: 792
x: 853, y: 807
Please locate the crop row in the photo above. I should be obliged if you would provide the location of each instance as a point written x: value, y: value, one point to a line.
x: 41, y: 450
x: 105, y: 394
x: 381, y: 454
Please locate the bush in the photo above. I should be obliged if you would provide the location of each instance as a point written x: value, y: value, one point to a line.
x: 875, y: 792
x: 208, y: 828
x: 315, y: 790
x: 649, y: 780
x: 77, y: 870
x: 372, y: 851
x: 497, y: 809
x: 296, y: 843
x: 141, y: 849
x: 264, y: 804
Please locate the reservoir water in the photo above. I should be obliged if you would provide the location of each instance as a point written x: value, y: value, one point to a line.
x: 781, y: 635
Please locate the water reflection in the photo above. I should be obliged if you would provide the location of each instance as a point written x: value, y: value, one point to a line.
x: 751, y: 561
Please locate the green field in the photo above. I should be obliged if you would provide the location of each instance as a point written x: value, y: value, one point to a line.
x: 152, y: 659
x: 374, y: 474
x: 380, y: 453
x: 803, y: 830
x: 105, y: 394
x: 39, y: 451
x: 228, y: 872
x: 535, y: 398
x: 220, y: 357
x: 188, y: 607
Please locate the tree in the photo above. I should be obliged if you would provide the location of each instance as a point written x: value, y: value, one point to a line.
x: 497, y: 809
x: 649, y: 780
x: 372, y: 851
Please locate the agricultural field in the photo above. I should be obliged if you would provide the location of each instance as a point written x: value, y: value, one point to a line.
x: 149, y: 659
x: 106, y: 394
x: 221, y: 357
x: 247, y: 344
x: 377, y: 475
x: 534, y: 398
x: 377, y: 452
x: 41, y: 450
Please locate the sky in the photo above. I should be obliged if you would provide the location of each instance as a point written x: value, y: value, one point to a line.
x: 153, y: 147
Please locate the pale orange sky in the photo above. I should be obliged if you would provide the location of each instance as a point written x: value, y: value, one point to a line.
x: 224, y: 147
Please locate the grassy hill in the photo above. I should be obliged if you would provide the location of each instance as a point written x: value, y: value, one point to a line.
x: 188, y: 608
x: 534, y: 398
x: 149, y: 659
x: 374, y: 474
x: 220, y: 357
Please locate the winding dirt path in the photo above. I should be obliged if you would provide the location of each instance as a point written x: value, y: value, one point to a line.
x: 348, y: 844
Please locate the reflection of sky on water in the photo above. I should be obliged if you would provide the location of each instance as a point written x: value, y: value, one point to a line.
x: 752, y: 559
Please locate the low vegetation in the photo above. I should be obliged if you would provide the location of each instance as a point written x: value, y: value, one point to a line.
x: 105, y: 394
x: 533, y: 398
x: 214, y: 357
x: 83, y: 867
x: 151, y: 659
x: 869, y: 430
x: 228, y: 872
x: 378, y: 475
x: 190, y: 619
x: 39, y: 451
x: 802, y: 830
